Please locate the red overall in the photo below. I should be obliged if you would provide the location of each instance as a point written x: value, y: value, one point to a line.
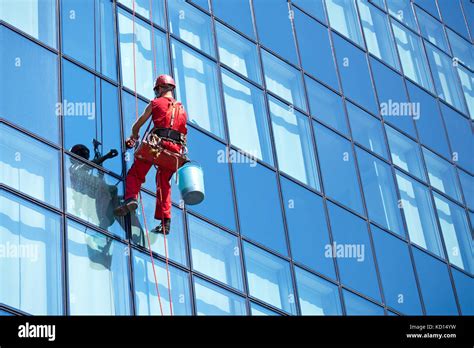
x: 137, y: 173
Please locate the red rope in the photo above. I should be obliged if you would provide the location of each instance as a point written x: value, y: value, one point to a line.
x: 141, y: 201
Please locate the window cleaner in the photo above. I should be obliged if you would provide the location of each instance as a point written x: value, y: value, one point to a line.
x: 164, y: 146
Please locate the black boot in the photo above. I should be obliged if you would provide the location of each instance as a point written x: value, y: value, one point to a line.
x: 159, y: 229
x: 128, y: 206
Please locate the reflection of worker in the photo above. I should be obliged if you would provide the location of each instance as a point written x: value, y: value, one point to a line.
x: 169, y: 119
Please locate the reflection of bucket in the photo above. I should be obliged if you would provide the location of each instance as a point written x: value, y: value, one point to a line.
x: 191, y: 183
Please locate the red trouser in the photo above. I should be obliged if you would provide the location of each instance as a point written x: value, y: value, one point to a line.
x: 136, y: 177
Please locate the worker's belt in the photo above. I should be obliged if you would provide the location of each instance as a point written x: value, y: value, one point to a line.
x: 170, y: 134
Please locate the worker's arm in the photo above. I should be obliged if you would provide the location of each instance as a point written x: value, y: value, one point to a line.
x: 141, y: 121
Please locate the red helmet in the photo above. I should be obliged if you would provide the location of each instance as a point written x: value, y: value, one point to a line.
x: 164, y: 80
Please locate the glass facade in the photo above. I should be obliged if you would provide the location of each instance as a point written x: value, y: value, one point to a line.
x: 339, y: 177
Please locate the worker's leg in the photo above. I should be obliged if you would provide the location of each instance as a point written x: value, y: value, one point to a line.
x: 163, y: 201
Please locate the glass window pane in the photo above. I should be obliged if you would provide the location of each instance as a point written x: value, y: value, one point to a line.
x: 460, y: 136
x: 442, y: 175
x: 215, y: 253
x: 197, y: 88
x: 219, y: 203
x: 351, y: 247
x: 238, y: 53
x: 174, y: 241
x: 5, y: 313
x: 143, y: 8
x: 412, y: 56
x: 258, y: 203
x: 30, y: 257
x: 148, y: 50
x: 354, y: 72
x: 338, y: 168
x: 377, y: 33
x: 236, y: 13
x: 367, y: 130
x: 431, y: 29
x: 445, y: 78
x: 31, y: 72
x: 467, y: 84
x: 428, y: 120
x: 316, y: 59
x: 213, y: 300
x: 283, y: 80
x: 399, y: 287
x: 405, y: 153
x: 275, y: 29
x: 393, y: 102
x: 35, y: 17
x: 103, y: 262
x: 419, y: 215
x: 146, y: 297
x: 356, y: 305
x: 453, y: 16
x: 317, y: 296
x: 464, y: 289
x: 257, y: 310
x: 202, y: 3
x: 307, y: 227
x: 269, y: 278
x: 326, y: 105
x: 247, y: 118
x: 380, y: 193
x: 343, y: 17
x: 293, y: 143
x: 456, y: 234
x: 467, y: 184
x: 313, y: 7
x: 462, y: 49
x: 435, y: 285
x: 402, y: 10
x: 88, y: 34
x: 29, y: 166
x: 93, y: 195
x: 191, y: 25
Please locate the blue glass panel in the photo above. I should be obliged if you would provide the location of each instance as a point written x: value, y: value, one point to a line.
x: 338, y: 168
x: 380, y: 192
x: 257, y: 310
x: 191, y: 25
x: 35, y: 17
x: 367, y: 130
x: 238, y: 53
x: 467, y: 184
x: 143, y: 8
x: 317, y: 296
x: 431, y: 29
x: 464, y: 289
x: 283, y: 80
x: 175, y: 246
x: 97, y: 273
x: 402, y: 10
x: 313, y: 7
x: 274, y: 25
x: 245, y: 108
x: 435, y: 285
x: 399, y: 287
x: 293, y: 143
x: 467, y: 85
x: 213, y: 300
x: 237, y: 13
x: 203, y: 3
x: 352, y: 250
x: 307, y: 227
x: 30, y: 257
x: 146, y: 296
x: 429, y: 6
x: 215, y: 253
x: 462, y: 49
x: 377, y: 33
x: 197, y: 88
x: 429, y: 123
x: 419, y: 214
x: 393, y: 102
x: 456, y: 233
x: 29, y: 166
x: 31, y: 72
x: 453, y: 15
x: 269, y: 278
x: 5, y: 313
x: 343, y: 17
x: 354, y: 73
x: 218, y: 205
x: 326, y: 105
x: 258, y: 203
x: 356, y: 305
x: 316, y: 60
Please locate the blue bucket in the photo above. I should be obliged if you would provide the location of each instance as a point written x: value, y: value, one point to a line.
x: 191, y: 183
